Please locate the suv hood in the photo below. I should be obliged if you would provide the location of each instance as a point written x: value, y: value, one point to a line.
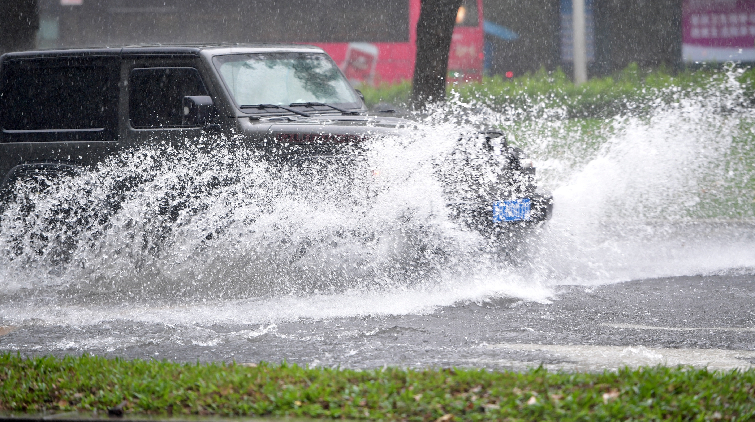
x: 327, y: 127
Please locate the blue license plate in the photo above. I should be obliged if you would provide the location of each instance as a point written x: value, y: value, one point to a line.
x: 516, y: 210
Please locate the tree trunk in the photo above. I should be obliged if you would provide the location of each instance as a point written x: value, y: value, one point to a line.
x: 19, y: 21
x: 434, y: 30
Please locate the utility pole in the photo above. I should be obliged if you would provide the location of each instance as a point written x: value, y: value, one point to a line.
x: 580, y: 41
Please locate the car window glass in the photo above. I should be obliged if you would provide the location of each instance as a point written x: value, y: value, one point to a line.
x: 156, y: 95
x: 56, y: 95
x: 284, y: 78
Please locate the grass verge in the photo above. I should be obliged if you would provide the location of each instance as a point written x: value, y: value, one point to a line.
x: 87, y: 383
x: 630, y: 91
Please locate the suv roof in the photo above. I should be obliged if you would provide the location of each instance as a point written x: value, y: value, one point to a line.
x: 178, y: 49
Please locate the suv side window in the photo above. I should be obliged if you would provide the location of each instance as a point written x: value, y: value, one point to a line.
x: 156, y: 99
x: 59, y: 98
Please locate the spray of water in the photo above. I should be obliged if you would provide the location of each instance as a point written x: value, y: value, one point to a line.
x: 214, y: 232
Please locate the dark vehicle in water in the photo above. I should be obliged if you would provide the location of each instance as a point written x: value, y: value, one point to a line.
x: 65, y: 110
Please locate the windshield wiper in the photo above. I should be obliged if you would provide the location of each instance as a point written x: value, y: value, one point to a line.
x: 312, y: 104
x: 264, y: 106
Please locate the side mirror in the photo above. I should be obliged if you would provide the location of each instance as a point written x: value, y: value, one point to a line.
x: 360, y: 94
x: 198, y: 110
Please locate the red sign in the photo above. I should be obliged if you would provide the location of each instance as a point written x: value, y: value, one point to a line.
x: 361, y: 59
x: 718, y: 30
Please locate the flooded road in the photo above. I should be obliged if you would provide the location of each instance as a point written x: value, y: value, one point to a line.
x: 217, y: 255
x: 701, y: 320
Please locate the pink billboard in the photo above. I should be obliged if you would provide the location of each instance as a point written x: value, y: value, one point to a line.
x: 718, y: 30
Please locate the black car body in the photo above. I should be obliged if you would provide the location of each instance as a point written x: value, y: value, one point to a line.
x: 67, y: 109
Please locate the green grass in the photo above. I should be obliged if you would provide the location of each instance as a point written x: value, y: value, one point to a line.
x: 397, y: 94
x: 632, y: 90
x: 163, y: 388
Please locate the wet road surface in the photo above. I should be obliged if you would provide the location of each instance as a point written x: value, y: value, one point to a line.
x: 697, y: 320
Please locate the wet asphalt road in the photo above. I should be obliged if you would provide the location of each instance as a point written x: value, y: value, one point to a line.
x: 700, y: 320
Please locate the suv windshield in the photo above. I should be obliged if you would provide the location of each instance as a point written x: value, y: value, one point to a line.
x: 285, y: 79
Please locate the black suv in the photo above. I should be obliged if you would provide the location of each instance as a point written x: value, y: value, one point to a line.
x: 67, y: 109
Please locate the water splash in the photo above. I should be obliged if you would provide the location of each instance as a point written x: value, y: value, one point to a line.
x: 197, y: 234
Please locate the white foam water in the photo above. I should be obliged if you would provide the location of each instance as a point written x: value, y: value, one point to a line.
x: 204, y: 234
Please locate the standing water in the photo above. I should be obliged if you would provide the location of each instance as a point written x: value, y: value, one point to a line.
x: 195, y: 237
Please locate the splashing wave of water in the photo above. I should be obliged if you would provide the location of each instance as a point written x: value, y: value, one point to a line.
x: 204, y: 234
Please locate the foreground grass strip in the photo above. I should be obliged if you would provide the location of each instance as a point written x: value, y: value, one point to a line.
x: 87, y: 383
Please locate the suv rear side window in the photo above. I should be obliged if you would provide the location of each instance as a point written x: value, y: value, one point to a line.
x: 157, y: 93
x: 58, y: 94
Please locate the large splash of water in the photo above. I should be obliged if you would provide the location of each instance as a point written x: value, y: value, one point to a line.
x: 212, y: 232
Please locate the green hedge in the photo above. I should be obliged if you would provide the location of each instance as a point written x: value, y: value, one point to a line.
x: 631, y: 90
x: 138, y: 387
